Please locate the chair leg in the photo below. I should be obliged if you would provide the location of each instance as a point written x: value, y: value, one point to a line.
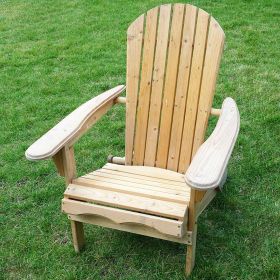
x: 190, y: 259
x: 77, y: 235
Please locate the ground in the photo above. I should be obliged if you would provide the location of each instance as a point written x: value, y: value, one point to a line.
x: 54, y: 55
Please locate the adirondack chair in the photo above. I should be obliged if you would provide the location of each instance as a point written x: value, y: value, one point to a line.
x: 168, y: 175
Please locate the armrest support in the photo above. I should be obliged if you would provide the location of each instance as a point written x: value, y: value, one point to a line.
x: 208, y: 166
x: 73, y: 126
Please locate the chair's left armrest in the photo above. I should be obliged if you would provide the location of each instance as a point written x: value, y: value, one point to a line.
x: 73, y: 126
x: 208, y: 166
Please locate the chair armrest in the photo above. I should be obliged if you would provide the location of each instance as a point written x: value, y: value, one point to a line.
x: 208, y: 166
x: 73, y: 126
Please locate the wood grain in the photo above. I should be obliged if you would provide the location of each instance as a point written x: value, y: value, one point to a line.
x: 119, y: 216
x: 214, y: 49
x: 134, y: 51
x: 209, y: 164
x: 71, y: 126
x: 194, y: 89
x: 182, y: 87
x: 145, y: 86
x: 132, y: 227
x: 149, y: 172
x: 170, y: 84
x: 133, y: 188
x: 127, y: 201
x: 157, y: 85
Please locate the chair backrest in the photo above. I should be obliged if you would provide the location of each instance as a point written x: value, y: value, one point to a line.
x: 173, y: 56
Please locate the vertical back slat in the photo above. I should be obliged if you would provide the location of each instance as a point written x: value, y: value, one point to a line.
x: 157, y: 85
x: 182, y: 87
x: 194, y: 89
x: 170, y: 84
x: 213, y: 54
x: 145, y: 86
x: 134, y: 49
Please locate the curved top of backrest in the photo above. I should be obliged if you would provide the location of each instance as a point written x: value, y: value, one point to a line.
x: 173, y: 55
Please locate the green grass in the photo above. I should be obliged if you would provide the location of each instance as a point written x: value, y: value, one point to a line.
x: 54, y: 55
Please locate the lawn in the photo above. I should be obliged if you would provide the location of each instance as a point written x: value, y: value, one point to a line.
x: 54, y: 55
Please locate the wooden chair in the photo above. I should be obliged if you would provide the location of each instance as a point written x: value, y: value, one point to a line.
x: 168, y: 175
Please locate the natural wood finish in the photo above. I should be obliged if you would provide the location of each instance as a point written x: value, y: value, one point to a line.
x: 69, y: 164
x: 77, y: 235
x: 58, y: 161
x: 182, y: 87
x: 181, y: 51
x: 134, y: 50
x: 170, y: 84
x: 191, y: 227
x: 194, y: 87
x: 148, y: 172
x: 71, y: 126
x: 152, y: 183
x: 215, y: 112
x: 136, y: 183
x: 119, y: 216
x: 173, y: 56
x: 212, y: 59
x: 116, y: 160
x: 209, y: 164
x: 133, y: 228
x: 157, y: 85
x: 91, y: 121
x: 214, y: 48
x: 120, y: 100
x: 175, y: 185
x: 191, y: 249
x: 199, y: 207
x: 127, y: 201
x: 145, y: 86
x: 133, y: 188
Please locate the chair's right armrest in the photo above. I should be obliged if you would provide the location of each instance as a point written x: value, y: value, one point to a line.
x: 208, y: 167
x: 73, y: 126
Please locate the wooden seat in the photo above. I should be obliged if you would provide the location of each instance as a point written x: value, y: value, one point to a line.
x: 148, y: 182
x: 142, y: 189
x: 162, y: 196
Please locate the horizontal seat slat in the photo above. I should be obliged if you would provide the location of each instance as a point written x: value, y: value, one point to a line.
x: 127, y: 201
x: 137, y: 187
x: 142, y: 178
x: 147, y: 171
x: 137, y: 183
x: 131, y: 188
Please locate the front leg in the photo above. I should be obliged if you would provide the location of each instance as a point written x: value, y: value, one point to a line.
x: 77, y: 235
x: 190, y: 259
